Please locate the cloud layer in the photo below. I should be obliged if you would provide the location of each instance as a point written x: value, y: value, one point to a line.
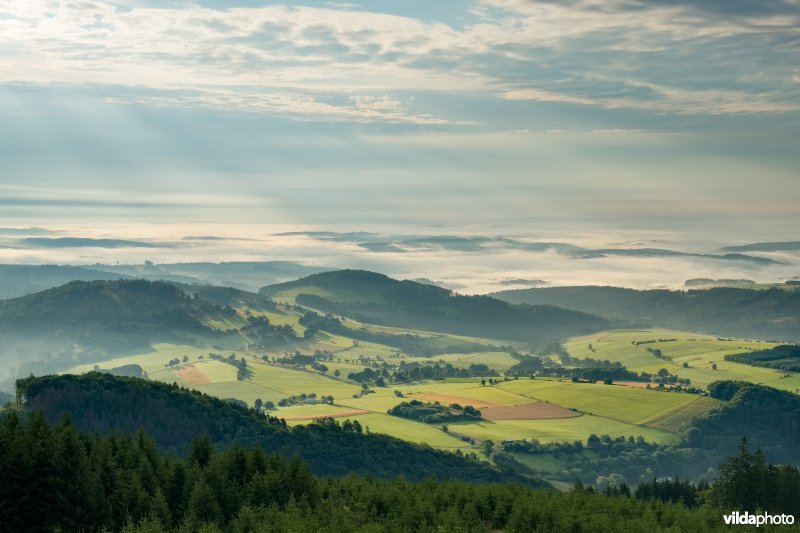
x: 466, y: 263
x: 354, y: 63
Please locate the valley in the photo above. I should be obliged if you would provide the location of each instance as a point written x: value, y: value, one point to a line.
x: 351, y: 346
x: 350, y: 369
x: 592, y: 401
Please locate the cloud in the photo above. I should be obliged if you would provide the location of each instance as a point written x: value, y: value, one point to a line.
x: 26, y: 231
x: 489, y: 268
x: 338, y: 61
x: 381, y: 244
x: 78, y: 242
x: 523, y: 282
x: 359, y: 109
x: 268, y: 59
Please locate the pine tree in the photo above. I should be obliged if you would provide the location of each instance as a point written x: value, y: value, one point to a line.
x: 74, y: 507
x: 201, y: 452
x: 203, y: 505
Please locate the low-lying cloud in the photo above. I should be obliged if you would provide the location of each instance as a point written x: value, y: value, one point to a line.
x: 465, y: 263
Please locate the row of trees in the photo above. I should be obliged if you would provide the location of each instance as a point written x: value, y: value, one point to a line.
x: 784, y: 357
x: 435, y: 413
x: 242, y: 372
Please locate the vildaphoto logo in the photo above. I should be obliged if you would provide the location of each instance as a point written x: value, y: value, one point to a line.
x: 747, y: 519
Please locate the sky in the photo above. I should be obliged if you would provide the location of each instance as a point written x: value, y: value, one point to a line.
x: 615, y: 121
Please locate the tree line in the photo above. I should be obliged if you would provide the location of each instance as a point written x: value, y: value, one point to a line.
x: 56, y: 478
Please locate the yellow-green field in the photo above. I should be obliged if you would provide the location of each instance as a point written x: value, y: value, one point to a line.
x: 615, y: 402
x: 560, y: 430
x: 295, y: 382
x: 410, y: 430
x: 500, y: 361
x: 151, y: 361
x: 303, y: 412
x: 699, y: 352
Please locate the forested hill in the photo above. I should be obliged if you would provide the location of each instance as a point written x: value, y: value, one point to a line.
x: 734, y: 312
x: 115, y: 306
x: 768, y: 417
x: 226, y: 296
x: 19, y: 280
x: 174, y: 417
x: 378, y: 299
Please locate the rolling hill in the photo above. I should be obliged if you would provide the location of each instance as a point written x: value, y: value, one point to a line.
x: 19, y: 280
x: 118, y: 306
x: 725, y: 311
x: 377, y: 299
x: 90, y: 320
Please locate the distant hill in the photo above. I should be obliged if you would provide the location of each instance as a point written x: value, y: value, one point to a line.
x: 174, y: 417
x: 88, y: 320
x: 790, y: 246
x: 734, y: 312
x: 19, y: 280
x: 378, y: 299
x: 114, y: 306
x: 248, y: 276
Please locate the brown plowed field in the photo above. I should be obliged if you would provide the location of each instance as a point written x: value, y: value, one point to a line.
x: 528, y: 411
x: 192, y: 375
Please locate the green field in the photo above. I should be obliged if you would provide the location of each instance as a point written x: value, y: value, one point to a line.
x: 790, y: 382
x: 294, y: 382
x: 614, y: 402
x: 380, y: 402
x: 500, y: 361
x: 544, y: 462
x: 560, y: 430
x: 680, y: 418
x: 699, y: 352
x: 225, y: 324
x: 314, y: 410
x: 241, y: 390
x: 410, y: 430
x: 151, y: 361
x: 216, y: 371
